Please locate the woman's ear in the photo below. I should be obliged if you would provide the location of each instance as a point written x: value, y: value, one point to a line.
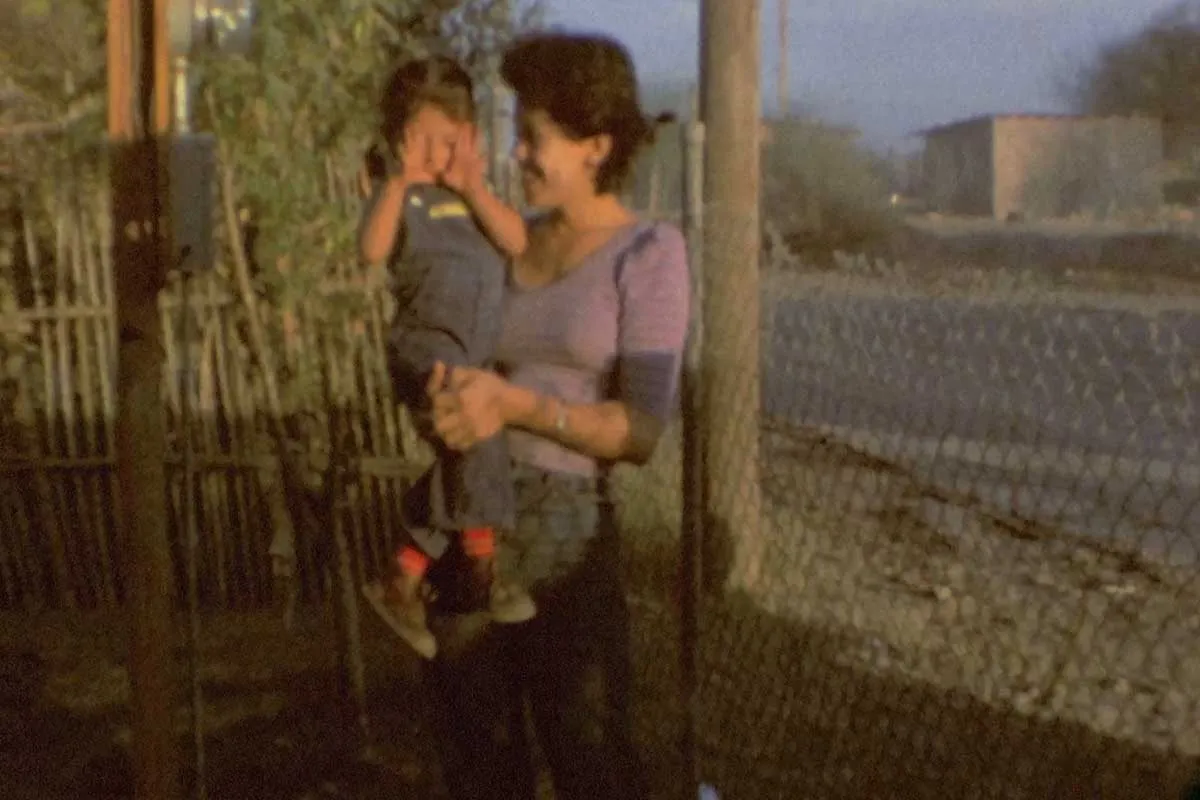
x: 599, y: 149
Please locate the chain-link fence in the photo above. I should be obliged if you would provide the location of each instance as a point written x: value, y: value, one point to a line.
x: 973, y: 573
x: 966, y: 557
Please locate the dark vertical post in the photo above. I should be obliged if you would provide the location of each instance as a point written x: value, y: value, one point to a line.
x: 135, y: 109
x: 692, y: 524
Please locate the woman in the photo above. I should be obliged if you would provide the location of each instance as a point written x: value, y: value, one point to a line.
x: 595, y: 320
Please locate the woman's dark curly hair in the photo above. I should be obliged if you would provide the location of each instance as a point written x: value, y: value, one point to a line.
x: 587, y: 85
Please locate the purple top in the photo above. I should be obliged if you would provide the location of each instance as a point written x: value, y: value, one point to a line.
x: 611, y: 328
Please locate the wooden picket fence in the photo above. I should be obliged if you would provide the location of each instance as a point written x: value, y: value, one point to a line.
x: 58, y: 515
x: 57, y: 491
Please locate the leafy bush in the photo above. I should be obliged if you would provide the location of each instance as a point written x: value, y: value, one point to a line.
x: 294, y: 118
x: 821, y: 191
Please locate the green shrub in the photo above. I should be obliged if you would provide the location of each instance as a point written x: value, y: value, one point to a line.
x: 821, y: 190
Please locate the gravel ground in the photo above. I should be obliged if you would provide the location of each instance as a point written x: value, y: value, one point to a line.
x: 1014, y: 612
x: 908, y: 644
x: 274, y: 725
x: 900, y: 643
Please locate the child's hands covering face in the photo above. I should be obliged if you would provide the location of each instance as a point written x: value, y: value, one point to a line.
x: 466, y: 170
x: 427, y: 144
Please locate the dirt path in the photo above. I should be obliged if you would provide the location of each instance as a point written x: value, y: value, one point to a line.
x: 903, y: 644
x: 275, y: 731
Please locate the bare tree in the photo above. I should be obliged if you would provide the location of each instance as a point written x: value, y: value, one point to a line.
x: 1156, y: 71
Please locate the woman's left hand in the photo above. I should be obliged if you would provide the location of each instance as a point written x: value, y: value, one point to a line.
x: 468, y: 408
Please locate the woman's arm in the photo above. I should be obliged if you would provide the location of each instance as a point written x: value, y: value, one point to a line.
x: 654, y: 289
x: 609, y: 431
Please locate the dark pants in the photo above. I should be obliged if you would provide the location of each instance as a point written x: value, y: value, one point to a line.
x: 570, y: 664
x: 459, y: 491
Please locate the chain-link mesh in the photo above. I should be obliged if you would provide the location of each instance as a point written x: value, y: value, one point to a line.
x: 972, y: 571
x: 965, y: 560
x: 979, y: 540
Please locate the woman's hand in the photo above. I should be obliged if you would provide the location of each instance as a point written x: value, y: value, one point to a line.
x: 467, y: 405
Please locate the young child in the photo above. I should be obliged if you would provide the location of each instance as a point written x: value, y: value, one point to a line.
x: 445, y: 238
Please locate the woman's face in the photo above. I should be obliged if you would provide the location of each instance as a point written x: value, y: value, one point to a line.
x: 556, y: 169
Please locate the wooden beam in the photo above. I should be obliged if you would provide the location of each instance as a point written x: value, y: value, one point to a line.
x: 163, y: 74
x: 120, y: 70
x: 731, y: 106
x: 135, y: 30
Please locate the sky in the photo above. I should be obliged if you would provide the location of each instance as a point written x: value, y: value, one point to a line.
x: 888, y: 67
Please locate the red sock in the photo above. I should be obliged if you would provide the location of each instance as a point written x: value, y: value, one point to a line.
x: 479, y: 542
x: 412, y: 562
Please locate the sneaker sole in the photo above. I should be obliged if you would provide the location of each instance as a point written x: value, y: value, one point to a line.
x: 515, y: 612
x: 419, y: 640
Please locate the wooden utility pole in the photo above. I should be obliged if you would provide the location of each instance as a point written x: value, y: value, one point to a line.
x: 138, y: 116
x: 731, y: 106
x: 782, y: 85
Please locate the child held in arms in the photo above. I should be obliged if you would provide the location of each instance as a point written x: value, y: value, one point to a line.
x: 445, y: 238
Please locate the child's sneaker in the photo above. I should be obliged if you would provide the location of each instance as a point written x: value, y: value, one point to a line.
x: 506, y: 602
x: 399, y: 604
x: 510, y: 604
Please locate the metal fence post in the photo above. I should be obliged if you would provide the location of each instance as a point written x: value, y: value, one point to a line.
x: 692, y: 522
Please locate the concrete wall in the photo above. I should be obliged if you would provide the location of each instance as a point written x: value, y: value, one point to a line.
x: 957, y: 169
x: 1181, y: 149
x: 1059, y: 166
x: 1044, y: 166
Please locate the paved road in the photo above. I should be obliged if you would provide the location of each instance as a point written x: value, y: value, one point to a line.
x: 1094, y: 412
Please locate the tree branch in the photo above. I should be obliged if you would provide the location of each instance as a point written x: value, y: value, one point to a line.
x: 80, y: 110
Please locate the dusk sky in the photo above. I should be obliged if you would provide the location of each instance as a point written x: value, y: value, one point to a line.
x: 889, y: 67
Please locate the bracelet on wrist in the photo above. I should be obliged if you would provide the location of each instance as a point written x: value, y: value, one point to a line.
x: 560, y: 417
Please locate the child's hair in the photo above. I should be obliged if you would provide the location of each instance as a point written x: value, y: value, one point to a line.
x: 438, y: 81
x: 376, y: 163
